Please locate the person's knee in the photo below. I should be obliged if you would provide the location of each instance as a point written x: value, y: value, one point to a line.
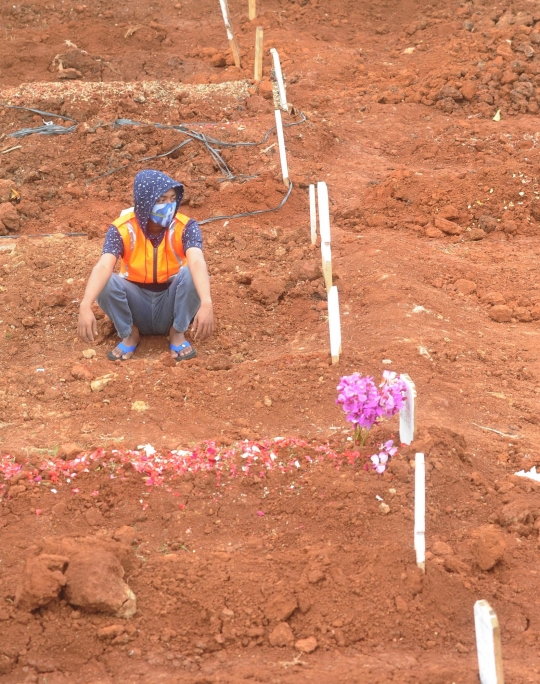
x: 185, y: 283
x: 186, y: 277
x: 111, y: 288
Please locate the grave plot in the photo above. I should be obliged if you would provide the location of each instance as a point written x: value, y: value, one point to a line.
x: 227, y: 522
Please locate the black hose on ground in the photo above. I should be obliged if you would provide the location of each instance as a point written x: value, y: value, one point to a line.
x: 210, y: 143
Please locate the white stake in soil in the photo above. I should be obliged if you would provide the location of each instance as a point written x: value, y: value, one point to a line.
x: 257, y: 73
x: 230, y: 32
x: 335, y: 324
x: 279, y: 79
x: 407, y: 415
x: 324, y: 212
x: 326, y: 254
x: 282, y: 151
x: 488, y: 644
x: 313, y: 214
x: 420, y: 511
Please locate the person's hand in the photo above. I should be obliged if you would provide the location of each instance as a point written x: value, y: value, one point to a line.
x: 87, y: 326
x: 203, y: 323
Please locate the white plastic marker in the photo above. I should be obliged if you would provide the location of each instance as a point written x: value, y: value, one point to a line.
x: 531, y: 474
x: 282, y: 151
x: 335, y: 324
x: 230, y: 32
x: 407, y: 415
x: 326, y: 254
x: 258, y: 69
x: 420, y: 511
x: 313, y: 214
x: 488, y: 644
x: 279, y: 79
x: 324, y: 211
x: 252, y: 9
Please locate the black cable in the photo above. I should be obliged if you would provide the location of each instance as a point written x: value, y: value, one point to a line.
x: 201, y: 223
x: 119, y: 168
x: 41, y: 235
x: 38, y: 111
x: 194, y: 135
x: 47, y: 129
x: 208, y: 142
x: 250, y: 213
x: 183, y: 129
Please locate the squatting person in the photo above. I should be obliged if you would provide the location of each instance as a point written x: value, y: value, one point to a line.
x: 163, y: 283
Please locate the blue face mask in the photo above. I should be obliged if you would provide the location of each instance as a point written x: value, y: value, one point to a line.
x: 163, y: 213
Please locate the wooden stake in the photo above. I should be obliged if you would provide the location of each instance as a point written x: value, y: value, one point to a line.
x: 230, y: 32
x: 407, y: 415
x: 252, y: 9
x: 279, y: 79
x: 326, y: 254
x: 334, y: 323
x: 324, y: 212
x: 488, y: 644
x: 10, y: 149
x: 282, y: 151
x: 257, y: 75
x: 420, y: 511
x: 313, y: 214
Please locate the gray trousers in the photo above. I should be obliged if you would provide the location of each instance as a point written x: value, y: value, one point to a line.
x: 125, y: 303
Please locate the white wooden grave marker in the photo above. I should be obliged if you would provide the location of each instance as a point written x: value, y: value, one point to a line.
x: 407, y: 415
x: 230, y: 32
x: 324, y: 212
x: 282, y: 151
x: 324, y: 229
x: 326, y: 254
x: 313, y: 214
x: 488, y: 644
x: 420, y: 511
x: 279, y: 79
x: 334, y: 323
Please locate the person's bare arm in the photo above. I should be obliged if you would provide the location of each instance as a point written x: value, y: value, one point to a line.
x: 102, y: 271
x: 203, y: 324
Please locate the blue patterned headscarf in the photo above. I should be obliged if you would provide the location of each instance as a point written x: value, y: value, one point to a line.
x: 148, y: 187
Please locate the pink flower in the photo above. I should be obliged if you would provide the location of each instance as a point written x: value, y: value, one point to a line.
x: 364, y: 404
x: 380, y: 460
x: 367, y: 405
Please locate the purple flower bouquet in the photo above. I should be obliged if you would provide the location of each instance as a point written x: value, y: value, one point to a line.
x: 367, y: 405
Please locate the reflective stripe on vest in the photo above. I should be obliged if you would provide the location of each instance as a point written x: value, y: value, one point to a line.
x: 144, y: 263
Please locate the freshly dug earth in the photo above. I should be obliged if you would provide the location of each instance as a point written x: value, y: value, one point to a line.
x: 294, y: 576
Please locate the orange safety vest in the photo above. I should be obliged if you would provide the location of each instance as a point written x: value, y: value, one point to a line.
x: 144, y: 263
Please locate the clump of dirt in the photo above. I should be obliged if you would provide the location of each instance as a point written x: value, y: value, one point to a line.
x: 89, y: 576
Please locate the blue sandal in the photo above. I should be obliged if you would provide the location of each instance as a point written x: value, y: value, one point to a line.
x: 124, y: 349
x: 179, y: 347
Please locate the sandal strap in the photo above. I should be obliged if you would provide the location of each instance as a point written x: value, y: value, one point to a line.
x: 179, y: 347
x: 125, y: 349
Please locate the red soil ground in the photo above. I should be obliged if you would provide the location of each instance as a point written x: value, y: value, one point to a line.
x: 435, y: 221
